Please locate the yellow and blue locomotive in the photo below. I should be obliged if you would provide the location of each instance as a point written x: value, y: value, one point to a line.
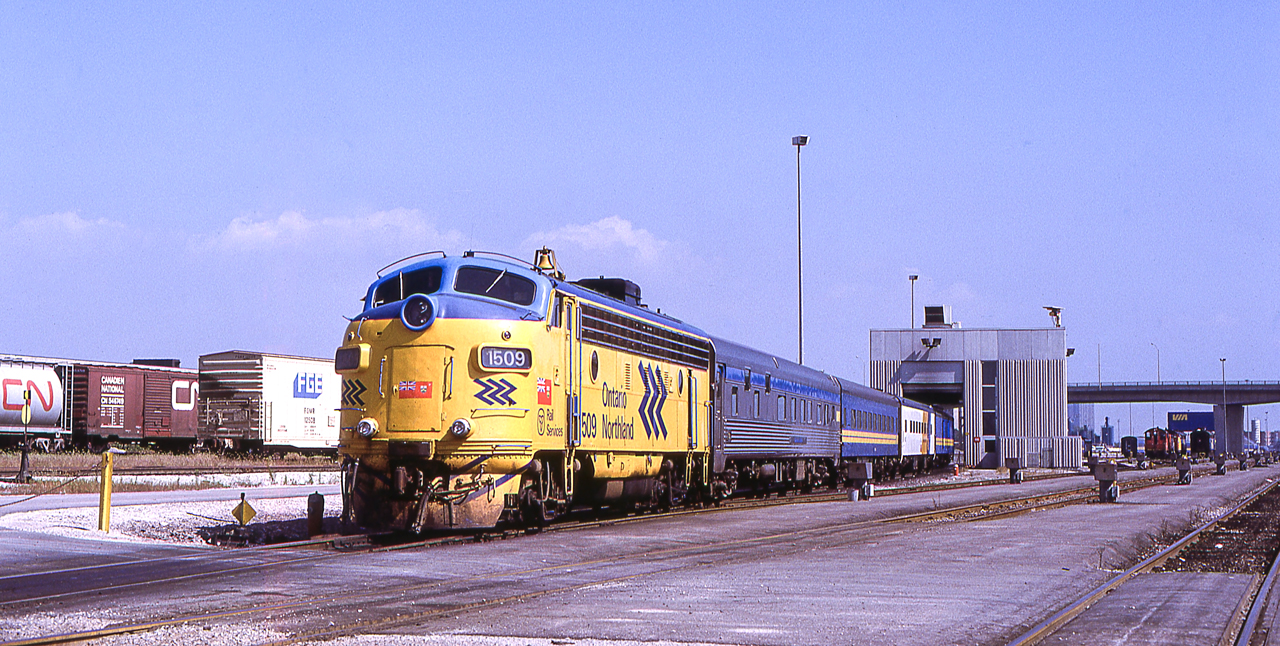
x: 478, y: 390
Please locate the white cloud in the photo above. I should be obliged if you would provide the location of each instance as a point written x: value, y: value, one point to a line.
x: 607, y: 234
x: 66, y: 222
x: 396, y: 228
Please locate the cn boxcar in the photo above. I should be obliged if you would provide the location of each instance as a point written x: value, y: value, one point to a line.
x: 91, y: 403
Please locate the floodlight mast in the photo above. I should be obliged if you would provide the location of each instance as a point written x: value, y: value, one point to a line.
x: 799, y: 141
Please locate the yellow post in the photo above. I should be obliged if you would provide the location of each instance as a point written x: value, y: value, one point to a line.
x: 104, y: 499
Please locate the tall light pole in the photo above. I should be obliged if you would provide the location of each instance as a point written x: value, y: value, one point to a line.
x: 1224, y: 388
x: 913, y: 278
x: 1157, y: 362
x: 799, y: 141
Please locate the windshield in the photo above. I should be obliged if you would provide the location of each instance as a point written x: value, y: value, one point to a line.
x: 406, y: 284
x: 494, y: 283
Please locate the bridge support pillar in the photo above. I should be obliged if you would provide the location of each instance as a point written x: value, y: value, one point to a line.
x: 1229, y: 422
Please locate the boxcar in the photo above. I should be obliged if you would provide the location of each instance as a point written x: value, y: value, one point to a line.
x: 90, y: 403
x: 271, y: 402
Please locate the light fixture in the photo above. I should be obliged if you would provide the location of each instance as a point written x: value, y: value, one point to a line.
x: 460, y: 429
x: 1055, y: 313
x: 913, y: 278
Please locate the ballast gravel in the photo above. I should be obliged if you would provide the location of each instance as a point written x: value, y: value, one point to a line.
x: 277, y: 518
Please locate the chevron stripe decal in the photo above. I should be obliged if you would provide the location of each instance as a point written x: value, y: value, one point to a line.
x: 496, y: 392
x: 662, y: 401
x: 651, y: 404
x: 353, y: 393
x: 644, y: 402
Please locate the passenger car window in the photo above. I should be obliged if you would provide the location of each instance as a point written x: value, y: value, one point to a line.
x: 500, y: 284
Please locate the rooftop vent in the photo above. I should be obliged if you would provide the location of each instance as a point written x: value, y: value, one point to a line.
x: 163, y: 363
x: 937, y: 316
x: 619, y: 288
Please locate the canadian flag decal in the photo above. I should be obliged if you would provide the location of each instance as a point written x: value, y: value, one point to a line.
x: 544, y: 392
x: 414, y: 390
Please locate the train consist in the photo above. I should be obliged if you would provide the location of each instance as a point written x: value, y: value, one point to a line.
x: 484, y: 390
x: 237, y: 400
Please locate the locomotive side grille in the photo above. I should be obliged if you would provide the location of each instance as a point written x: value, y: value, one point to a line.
x: 612, y: 330
x: 626, y: 377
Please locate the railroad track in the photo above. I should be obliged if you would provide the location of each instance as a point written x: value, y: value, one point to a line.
x: 1241, y: 539
x: 66, y: 472
x: 88, y: 580
x: 551, y: 579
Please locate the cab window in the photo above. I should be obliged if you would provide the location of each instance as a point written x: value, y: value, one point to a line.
x: 406, y: 284
x: 494, y: 283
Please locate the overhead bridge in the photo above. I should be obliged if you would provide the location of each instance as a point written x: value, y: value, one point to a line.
x: 1228, y: 399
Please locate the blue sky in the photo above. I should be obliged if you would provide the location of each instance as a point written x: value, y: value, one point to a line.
x: 181, y: 179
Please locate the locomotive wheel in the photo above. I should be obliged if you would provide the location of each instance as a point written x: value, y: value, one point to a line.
x: 533, y: 509
x: 370, y: 498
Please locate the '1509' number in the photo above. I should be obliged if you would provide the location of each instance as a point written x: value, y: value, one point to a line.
x: 506, y: 359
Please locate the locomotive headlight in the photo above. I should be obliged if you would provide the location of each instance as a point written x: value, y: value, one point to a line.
x: 418, y: 312
x: 367, y: 427
x: 461, y: 428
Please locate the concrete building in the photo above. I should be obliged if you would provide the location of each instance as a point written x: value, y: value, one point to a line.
x: 1010, y: 386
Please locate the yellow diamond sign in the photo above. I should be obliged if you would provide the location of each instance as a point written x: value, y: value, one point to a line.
x: 244, y: 511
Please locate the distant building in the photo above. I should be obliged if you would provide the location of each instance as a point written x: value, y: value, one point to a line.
x: 1108, y: 433
x: 1080, y: 422
x: 1255, y: 431
x: 1011, y: 386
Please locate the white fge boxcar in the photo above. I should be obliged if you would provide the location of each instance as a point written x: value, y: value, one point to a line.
x: 257, y: 400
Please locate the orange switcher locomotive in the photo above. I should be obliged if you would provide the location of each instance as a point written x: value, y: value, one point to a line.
x: 481, y: 390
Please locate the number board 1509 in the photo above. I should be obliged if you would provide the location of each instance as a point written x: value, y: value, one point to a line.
x: 496, y: 358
